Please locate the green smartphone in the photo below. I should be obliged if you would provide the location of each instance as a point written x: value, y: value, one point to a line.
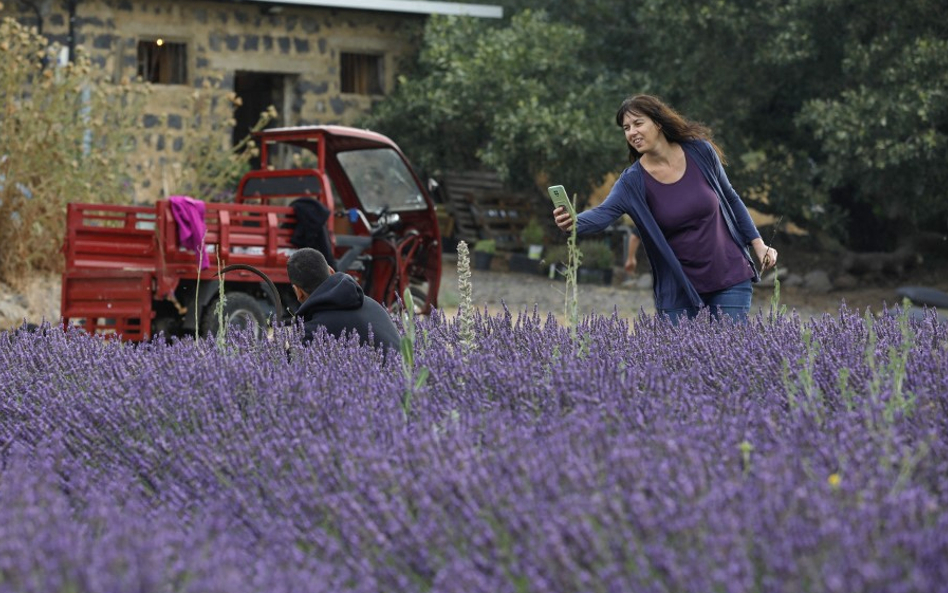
x: 560, y: 198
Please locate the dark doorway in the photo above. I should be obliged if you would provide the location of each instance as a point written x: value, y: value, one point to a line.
x: 257, y: 91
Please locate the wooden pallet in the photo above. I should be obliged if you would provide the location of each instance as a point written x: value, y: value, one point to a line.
x: 501, y: 215
x: 483, y: 209
x: 461, y: 190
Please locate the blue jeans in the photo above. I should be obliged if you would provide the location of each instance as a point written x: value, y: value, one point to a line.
x: 733, y: 301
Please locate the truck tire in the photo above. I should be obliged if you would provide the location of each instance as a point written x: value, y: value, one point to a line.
x: 241, y: 311
x: 418, y: 294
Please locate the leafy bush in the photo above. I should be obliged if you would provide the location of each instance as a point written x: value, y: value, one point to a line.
x: 515, y: 97
x: 556, y: 254
x: 597, y: 254
x: 532, y: 233
x: 627, y: 456
x: 486, y: 246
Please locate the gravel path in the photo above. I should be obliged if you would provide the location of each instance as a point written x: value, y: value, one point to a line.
x: 632, y: 295
x: 521, y: 292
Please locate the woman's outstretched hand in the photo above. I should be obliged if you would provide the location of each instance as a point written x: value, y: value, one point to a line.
x: 563, y: 219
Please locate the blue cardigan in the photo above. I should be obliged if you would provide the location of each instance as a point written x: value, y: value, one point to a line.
x: 672, y: 288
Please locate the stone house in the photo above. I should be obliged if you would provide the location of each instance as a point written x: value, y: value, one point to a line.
x: 316, y: 62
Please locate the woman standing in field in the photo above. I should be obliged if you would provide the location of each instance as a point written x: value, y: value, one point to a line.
x: 696, y: 231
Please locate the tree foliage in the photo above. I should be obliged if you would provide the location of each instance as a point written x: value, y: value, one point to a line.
x: 883, y: 135
x: 838, y: 110
x: 834, y: 114
x: 516, y: 98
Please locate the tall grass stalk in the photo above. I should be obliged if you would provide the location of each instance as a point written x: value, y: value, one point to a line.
x: 414, y: 378
x: 802, y: 391
x: 746, y: 448
x: 896, y: 367
x: 571, y: 299
x: 776, y: 309
x: 197, y: 292
x: 221, y: 302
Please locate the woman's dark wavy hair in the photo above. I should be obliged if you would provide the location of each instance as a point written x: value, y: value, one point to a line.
x: 675, y: 127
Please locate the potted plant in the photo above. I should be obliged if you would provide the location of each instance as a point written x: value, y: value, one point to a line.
x: 532, y: 236
x: 555, y: 260
x: 596, y: 265
x: 484, y: 250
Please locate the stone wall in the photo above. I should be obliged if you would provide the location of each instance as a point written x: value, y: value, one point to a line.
x: 299, y: 46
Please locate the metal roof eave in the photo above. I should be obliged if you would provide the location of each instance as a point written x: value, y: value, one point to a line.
x: 409, y: 6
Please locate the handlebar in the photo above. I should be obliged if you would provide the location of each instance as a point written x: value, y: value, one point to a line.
x: 385, y: 221
x: 357, y: 215
x: 357, y: 245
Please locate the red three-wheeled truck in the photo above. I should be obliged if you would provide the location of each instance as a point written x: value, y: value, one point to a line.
x: 128, y: 273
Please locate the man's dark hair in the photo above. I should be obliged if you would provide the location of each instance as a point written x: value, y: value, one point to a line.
x: 307, y: 268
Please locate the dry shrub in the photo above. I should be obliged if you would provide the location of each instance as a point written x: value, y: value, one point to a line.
x: 69, y: 134
x: 65, y: 133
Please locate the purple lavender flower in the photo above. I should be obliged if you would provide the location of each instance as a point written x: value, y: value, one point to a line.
x: 778, y: 455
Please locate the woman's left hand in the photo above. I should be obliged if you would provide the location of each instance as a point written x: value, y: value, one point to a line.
x: 767, y: 256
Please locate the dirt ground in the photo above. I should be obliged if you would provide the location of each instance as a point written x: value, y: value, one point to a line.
x: 799, y: 262
x: 492, y: 289
x: 39, y: 299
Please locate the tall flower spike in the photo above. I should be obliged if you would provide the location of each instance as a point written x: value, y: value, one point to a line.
x: 466, y: 305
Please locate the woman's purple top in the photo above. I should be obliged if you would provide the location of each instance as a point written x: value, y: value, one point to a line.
x: 672, y: 287
x: 689, y: 216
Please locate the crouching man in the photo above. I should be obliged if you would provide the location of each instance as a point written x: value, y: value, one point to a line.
x: 336, y: 301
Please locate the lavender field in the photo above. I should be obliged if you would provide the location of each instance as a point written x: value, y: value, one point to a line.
x: 627, y: 456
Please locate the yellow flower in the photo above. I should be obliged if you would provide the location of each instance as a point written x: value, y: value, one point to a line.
x: 834, y: 480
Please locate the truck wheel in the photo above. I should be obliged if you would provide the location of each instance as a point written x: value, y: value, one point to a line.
x: 418, y: 294
x: 166, y: 327
x: 241, y: 311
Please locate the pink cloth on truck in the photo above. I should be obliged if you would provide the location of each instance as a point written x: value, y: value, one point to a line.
x: 189, y: 214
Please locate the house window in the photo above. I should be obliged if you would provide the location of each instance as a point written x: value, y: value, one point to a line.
x: 361, y: 74
x: 163, y: 62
